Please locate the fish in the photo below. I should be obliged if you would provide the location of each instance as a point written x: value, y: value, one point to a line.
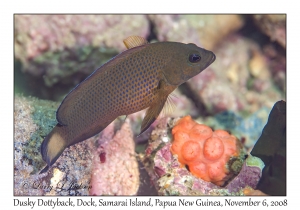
x: 141, y: 77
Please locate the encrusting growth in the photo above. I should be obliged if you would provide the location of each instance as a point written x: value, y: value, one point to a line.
x: 204, y: 151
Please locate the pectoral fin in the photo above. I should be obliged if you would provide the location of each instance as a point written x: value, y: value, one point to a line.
x: 152, y: 114
x: 162, y: 93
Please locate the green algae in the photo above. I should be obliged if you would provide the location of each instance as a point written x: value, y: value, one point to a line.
x: 235, y: 165
x: 43, y: 116
x: 71, y: 63
x: 255, y: 161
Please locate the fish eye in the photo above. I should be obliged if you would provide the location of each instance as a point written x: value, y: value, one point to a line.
x: 194, y: 58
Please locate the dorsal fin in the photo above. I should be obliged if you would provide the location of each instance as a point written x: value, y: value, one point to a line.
x: 134, y: 41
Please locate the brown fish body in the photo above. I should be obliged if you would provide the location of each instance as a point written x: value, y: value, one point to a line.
x: 141, y: 77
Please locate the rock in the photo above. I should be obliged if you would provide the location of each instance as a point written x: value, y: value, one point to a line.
x: 273, y: 25
x: 251, y: 192
x: 72, y: 172
x: 276, y: 59
x: 249, y: 175
x: 174, y: 28
x: 58, y: 47
x: 203, y: 30
x: 246, y: 128
x: 271, y: 148
x: 115, y: 168
x: 239, y: 79
x: 24, y: 127
x: 70, y: 175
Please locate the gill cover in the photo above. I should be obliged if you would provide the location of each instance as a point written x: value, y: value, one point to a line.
x: 188, y: 60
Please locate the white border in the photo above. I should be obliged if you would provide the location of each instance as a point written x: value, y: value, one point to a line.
x: 8, y: 8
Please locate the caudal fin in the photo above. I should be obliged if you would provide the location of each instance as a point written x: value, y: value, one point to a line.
x: 53, y: 146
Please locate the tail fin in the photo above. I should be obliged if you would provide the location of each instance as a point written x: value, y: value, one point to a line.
x: 53, y: 146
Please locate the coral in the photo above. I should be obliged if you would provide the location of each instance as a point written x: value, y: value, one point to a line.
x: 204, y: 151
x: 170, y: 178
x: 115, y: 168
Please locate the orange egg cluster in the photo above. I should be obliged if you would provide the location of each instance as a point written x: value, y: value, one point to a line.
x: 206, y: 152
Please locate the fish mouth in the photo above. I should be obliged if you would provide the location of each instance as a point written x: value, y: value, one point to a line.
x: 213, y: 58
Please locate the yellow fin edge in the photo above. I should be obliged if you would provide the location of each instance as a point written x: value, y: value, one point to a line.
x: 134, y: 41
